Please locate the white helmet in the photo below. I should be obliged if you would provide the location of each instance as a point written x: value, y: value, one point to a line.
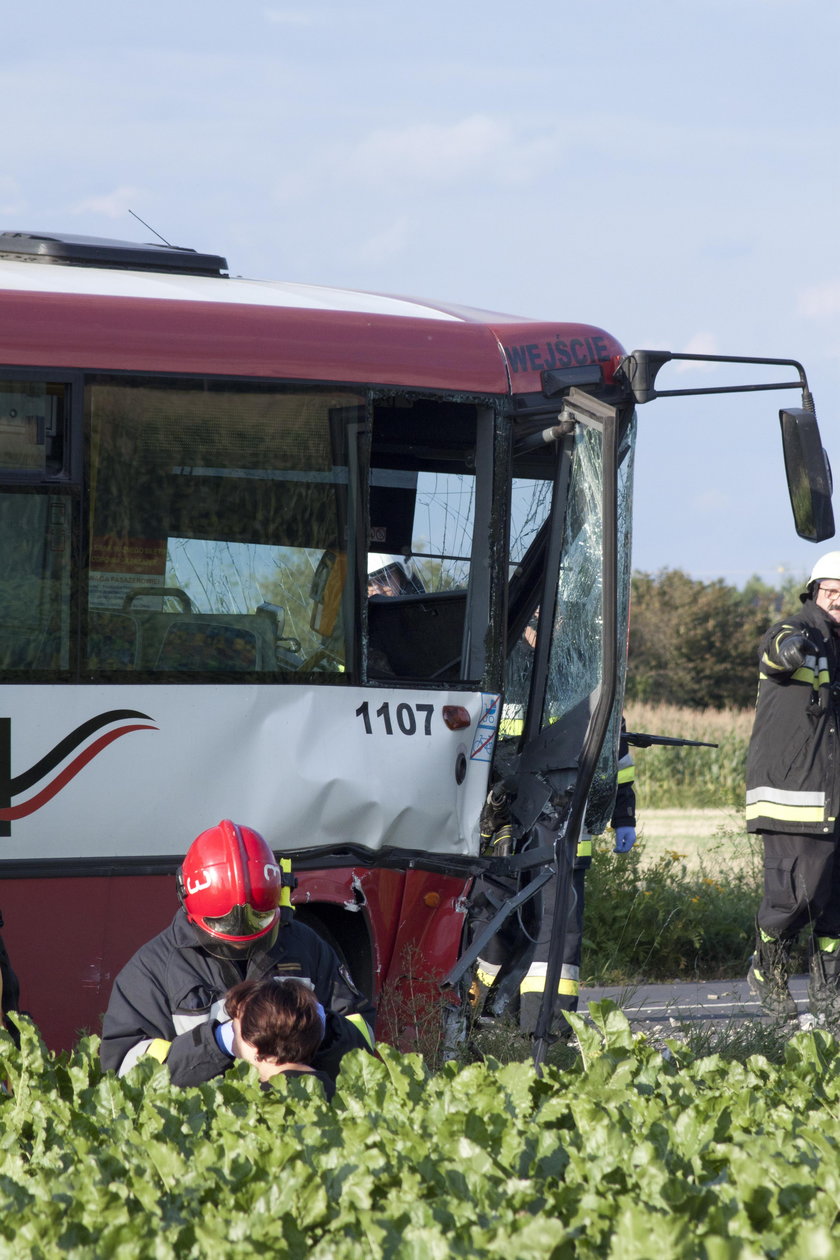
x: 826, y: 569
x: 396, y: 573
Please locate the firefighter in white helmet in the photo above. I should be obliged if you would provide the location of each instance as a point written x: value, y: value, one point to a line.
x: 393, y: 575
x: 793, y: 797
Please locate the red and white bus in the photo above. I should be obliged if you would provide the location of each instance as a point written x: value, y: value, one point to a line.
x: 203, y: 480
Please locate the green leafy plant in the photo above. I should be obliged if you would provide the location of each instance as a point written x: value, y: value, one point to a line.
x: 627, y: 1152
x: 664, y: 921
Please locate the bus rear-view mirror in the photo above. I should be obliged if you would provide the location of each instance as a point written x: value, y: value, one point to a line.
x: 808, y: 474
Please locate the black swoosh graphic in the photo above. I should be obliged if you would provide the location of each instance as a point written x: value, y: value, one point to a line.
x: 26, y: 780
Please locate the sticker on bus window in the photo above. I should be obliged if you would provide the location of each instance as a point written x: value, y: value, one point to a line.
x: 482, y: 746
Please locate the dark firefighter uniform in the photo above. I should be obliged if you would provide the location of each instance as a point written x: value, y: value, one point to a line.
x: 532, y: 986
x: 169, y: 998
x: 9, y: 986
x: 506, y: 954
x: 793, y: 795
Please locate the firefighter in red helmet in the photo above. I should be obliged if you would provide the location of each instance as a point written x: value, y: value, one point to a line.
x: 235, y: 923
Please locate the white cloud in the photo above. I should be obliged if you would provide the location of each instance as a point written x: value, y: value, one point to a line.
x: 428, y: 151
x: 820, y: 301
x: 700, y: 343
x: 113, y: 205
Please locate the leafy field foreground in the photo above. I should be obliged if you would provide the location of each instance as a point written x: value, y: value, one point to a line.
x: 631, y: 1154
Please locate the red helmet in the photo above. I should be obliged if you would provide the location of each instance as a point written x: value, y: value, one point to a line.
x: 231, y: 884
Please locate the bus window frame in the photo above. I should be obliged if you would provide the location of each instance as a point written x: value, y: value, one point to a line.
x: 72, y: 463
x: 68, y: 483
x: 483, y: 641
x: 486, y: 610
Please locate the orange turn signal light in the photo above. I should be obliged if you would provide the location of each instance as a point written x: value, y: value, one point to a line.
x: 456, y: 717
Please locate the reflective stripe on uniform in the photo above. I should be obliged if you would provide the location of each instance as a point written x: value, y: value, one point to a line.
x: 136, y: 1052
x: 512, y: 721
x: 584, y: 848
x: 186, y: 1021
x: 486, y: 972
x: 159, y: 1049
x: 808, y: 674
x: 287, y: 882
x: 768, y: 802
x: 626, y: 769
x: 364, y: 1028
x: 827, y: 944
x: 568, y: 984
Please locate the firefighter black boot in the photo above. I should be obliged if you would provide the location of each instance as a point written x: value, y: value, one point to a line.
x: 768, y: 976
x: 824, y: 978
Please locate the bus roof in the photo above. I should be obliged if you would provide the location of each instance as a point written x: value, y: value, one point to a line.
x: 102, y: 318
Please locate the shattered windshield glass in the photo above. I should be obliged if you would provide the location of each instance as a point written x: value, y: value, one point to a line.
x: 575, y: 663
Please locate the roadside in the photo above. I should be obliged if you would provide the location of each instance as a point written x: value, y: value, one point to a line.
x: 653, y: 1008
x: 712, y: 838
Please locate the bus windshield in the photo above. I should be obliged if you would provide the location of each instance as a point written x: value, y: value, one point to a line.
x: 574, y: 661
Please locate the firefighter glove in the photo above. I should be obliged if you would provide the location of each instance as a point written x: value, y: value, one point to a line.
x: 793, y: 650
x: 625, y: 838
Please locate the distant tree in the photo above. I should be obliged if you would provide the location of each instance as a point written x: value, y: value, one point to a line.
x: 696, y: 643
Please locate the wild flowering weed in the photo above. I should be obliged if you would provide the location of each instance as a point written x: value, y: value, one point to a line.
x: 662, y: 921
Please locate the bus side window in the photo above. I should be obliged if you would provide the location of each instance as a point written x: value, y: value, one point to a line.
x: 211, y: 505
x: 35, y: 581
x: 422, y: 504
x: 112, y: 640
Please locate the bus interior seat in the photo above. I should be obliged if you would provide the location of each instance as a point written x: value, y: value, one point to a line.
x: 112, y: 640
x: 193, y: 644
x: 29, y: 647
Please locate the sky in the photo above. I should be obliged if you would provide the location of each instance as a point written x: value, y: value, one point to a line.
x: 664, y: 169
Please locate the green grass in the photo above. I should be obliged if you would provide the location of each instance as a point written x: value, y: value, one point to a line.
x: 666, y: 920
x: 713, y: 838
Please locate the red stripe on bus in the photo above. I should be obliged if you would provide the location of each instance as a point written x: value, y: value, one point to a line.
x: 69, y: 772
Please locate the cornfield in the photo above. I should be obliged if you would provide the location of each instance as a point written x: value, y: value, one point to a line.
x: 691, y: 778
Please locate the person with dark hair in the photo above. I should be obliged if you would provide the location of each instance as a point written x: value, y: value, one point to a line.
x: 9, y: 989
x: 278, y: 1025
x: 236, y: 922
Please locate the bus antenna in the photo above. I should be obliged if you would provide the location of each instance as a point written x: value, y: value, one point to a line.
x: 151, y: 229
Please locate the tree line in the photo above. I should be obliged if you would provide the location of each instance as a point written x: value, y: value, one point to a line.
x: 696, y: 643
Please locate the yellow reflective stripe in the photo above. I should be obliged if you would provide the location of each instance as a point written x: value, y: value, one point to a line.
x: 285, y: 889
x: 363, y: 1027
x: 628, y: 775
x: 484, y: 977
x: 511, y: 726
x: 584, y: 848
x: 828, y: 944
x: 159, y: 1049
x: 785, y: 813
x: 806, y: 675
x: 536, y: 984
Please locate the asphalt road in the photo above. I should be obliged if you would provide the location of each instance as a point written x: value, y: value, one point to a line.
x: 651, y: 1005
